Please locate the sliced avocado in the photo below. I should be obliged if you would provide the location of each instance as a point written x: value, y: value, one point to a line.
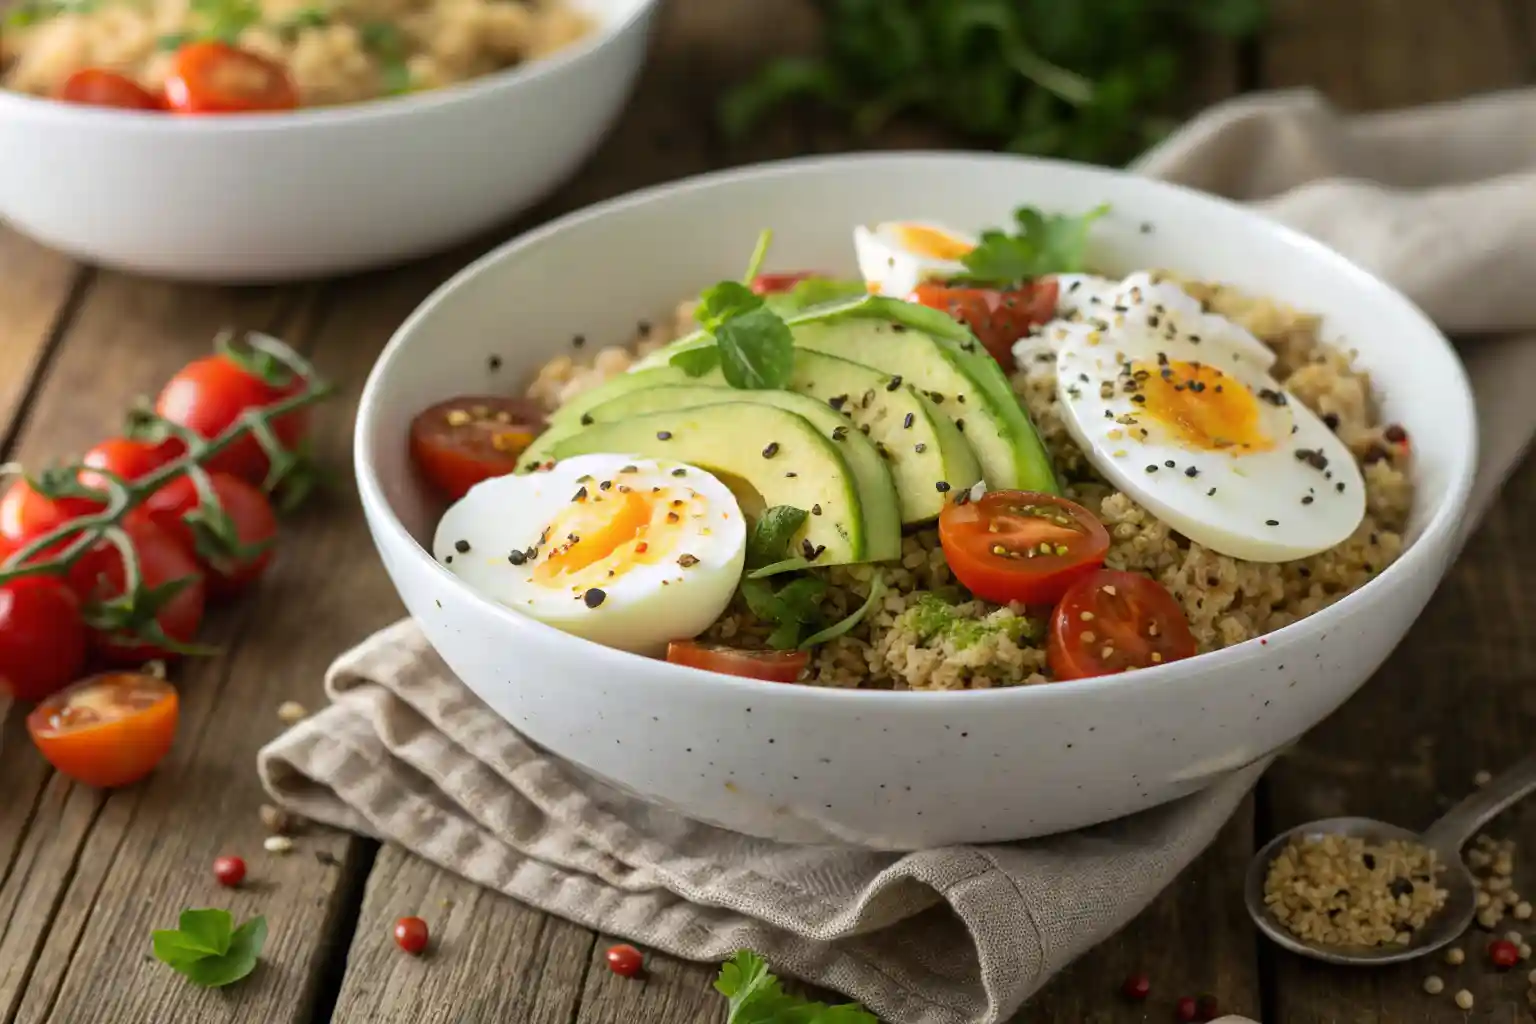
x: 922, y: 445
x: 788, y: 462
x: 877, y: 492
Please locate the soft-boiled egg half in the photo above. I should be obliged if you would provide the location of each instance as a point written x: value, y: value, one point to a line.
x: 1181, y: 414
x: 897, y: 256
x: 626, y: 552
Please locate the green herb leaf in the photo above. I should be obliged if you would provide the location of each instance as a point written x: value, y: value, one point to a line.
x: 813, y: 292
x: 208, y: 950
x: 756, y: 347
x: 769, y: 540
x: 789, y: 609
x: 696, y: 362
x: 1044, y: 244
x: 794, y: 564
x: 837, y: 629
x: 757, y: 997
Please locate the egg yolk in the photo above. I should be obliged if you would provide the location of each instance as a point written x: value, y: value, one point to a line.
x: 931, y: 242
x: 1204, y: 407
x: 593, y: 529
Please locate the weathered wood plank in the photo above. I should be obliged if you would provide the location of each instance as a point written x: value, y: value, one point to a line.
x: 35, y: 288
x: 1455, y: 697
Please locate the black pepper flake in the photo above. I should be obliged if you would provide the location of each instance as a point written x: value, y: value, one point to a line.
x: 837, y: 401
x: 679, y: 472
x: 899, y: 328
x: 791, y: 474
x: 1307, y: 499
x: 807, y: 549
x: 1169, y: 464
x: 448, y: 560
x: 687, y: 561
x: 771, y: 449
x: 517, y: 557
x: 920, y: 448
x: 816, y: 510
x: 1331, y: 420
x: 493, y: 363
x: 1146, y: 227
x: 1191, y: 472
x: 461, y: 546
x: 960, y: 425
x: 1151, y: 467
x: 643, y: 328
x: 1272, y: 396
x: 580, y: 495
x: 1210, y: 493
x: 838, y: 433
x: 1271, y: 522
x: 1339, y: 487
x: 893, y: 383
x: 578, y: 341
x: 941, y: 486
x: 663, y: 435
x: 1139, y: 399
x: 906, y: 423
x: 593, y: 597
x: 938, y: 399
x: 606, y: 485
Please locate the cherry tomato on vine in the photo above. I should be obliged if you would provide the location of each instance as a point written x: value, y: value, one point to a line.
x: 124, y: 458
x: 770, y: 666
x: 1112, y: 621
x: 209, y: 394
x: 99, y: 576
x: 42, y: 637
x: 250, y: 514
x: 98, y: 87
x: 109, y: 730
x: 998, y: 318
x: 460, y: 442
x: 26, y: 515
x: 411, y: 935
x: 1021, y: 546
x: 215, y: 78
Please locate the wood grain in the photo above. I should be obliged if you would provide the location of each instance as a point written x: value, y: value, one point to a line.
x: 35, y: 288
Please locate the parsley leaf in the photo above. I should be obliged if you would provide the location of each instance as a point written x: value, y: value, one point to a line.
x: 769, y: 540
x: 208, y: 949
x: 1046, y: 243
x: 756, y: 997
x: 756, y: 347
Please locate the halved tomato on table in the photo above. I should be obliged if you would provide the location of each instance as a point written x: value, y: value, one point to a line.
x: 216, y: 78
x: 1020, y: 546
x: 998, y: 317
x: 109, y: 730
x: 771, y: 666
x: 98, y: 87
x: 460, y: 442
x: 1112, y: 621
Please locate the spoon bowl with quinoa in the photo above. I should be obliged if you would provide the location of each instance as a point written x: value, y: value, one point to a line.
x: 914, y: 499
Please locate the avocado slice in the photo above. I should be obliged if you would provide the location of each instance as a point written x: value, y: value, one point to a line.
x: 877, y: 492
x: 788, y: 462
x: 921, y: 444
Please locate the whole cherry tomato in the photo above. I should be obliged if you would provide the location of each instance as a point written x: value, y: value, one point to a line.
x: 126, y: 459
x: 42, y: 637
x: 99, y: 576
x: 109, y: 730
x: 216, y: 78
x: 98, y: 87
x: 460, y: 442
x: 177, y: 506
x: 209, y: 394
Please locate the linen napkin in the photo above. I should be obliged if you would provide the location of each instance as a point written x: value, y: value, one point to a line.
x: 1441, y: 201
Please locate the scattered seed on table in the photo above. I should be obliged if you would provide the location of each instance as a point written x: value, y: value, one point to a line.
x: 1525, y: 951
x: 1514, y: 937
x: 277, y: 844
x: 230, y: 871
x: 624, y: 960
x: 1433, y: 985
x: 1454, y: 956
x: 1464, y: 999
x: 1482, y: 778
x: 1531, y: 977
x: 291, y: 712
x: 1523, y: 910
x: 411, y: 935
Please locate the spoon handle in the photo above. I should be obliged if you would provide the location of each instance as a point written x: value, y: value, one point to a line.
x: 1461, y: 822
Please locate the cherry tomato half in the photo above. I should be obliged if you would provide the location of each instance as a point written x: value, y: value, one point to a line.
x: 109, y: 730
x: 1021, y: 546
x: 460, y: 442
x: 162, y: 559
x: 209, y: 394
x: 771, y: 666
x: 770, y: 284
x: 249, y: 510
x: 997, y: 318
x: 1114, y: 621
x: 42, y: 637
x: 216, y: 78
x: 97, y: 87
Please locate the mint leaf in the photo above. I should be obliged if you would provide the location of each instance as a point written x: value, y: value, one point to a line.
x: 208, y: 950
x: 696, y: 362
x: 769, y: 540
x: 756, y: 997
x: 1044, y: 244
x: 756, y: 347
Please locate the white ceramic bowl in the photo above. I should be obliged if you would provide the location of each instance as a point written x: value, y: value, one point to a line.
x: 887, y: 769
x: 283, y: 196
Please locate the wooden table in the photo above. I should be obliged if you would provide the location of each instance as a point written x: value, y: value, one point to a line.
x: 85, y: 877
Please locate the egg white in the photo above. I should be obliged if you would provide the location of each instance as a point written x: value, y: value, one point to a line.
x: 1302, y: 496
x: 890, y: 267
x: 679, y: 586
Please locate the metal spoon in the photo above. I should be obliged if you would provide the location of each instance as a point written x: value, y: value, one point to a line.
x: 1445, y: 837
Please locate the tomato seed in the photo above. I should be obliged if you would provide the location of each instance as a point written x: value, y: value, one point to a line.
x: 230, y: 871
x: 1137, y: 986
x: 625, y: 960
x: 411, y: 935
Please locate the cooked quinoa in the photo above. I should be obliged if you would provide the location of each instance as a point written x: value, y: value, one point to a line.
x: 929, y: 634
x: 1345, y: 891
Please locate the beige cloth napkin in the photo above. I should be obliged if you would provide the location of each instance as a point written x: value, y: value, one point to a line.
x: 960, y: 935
